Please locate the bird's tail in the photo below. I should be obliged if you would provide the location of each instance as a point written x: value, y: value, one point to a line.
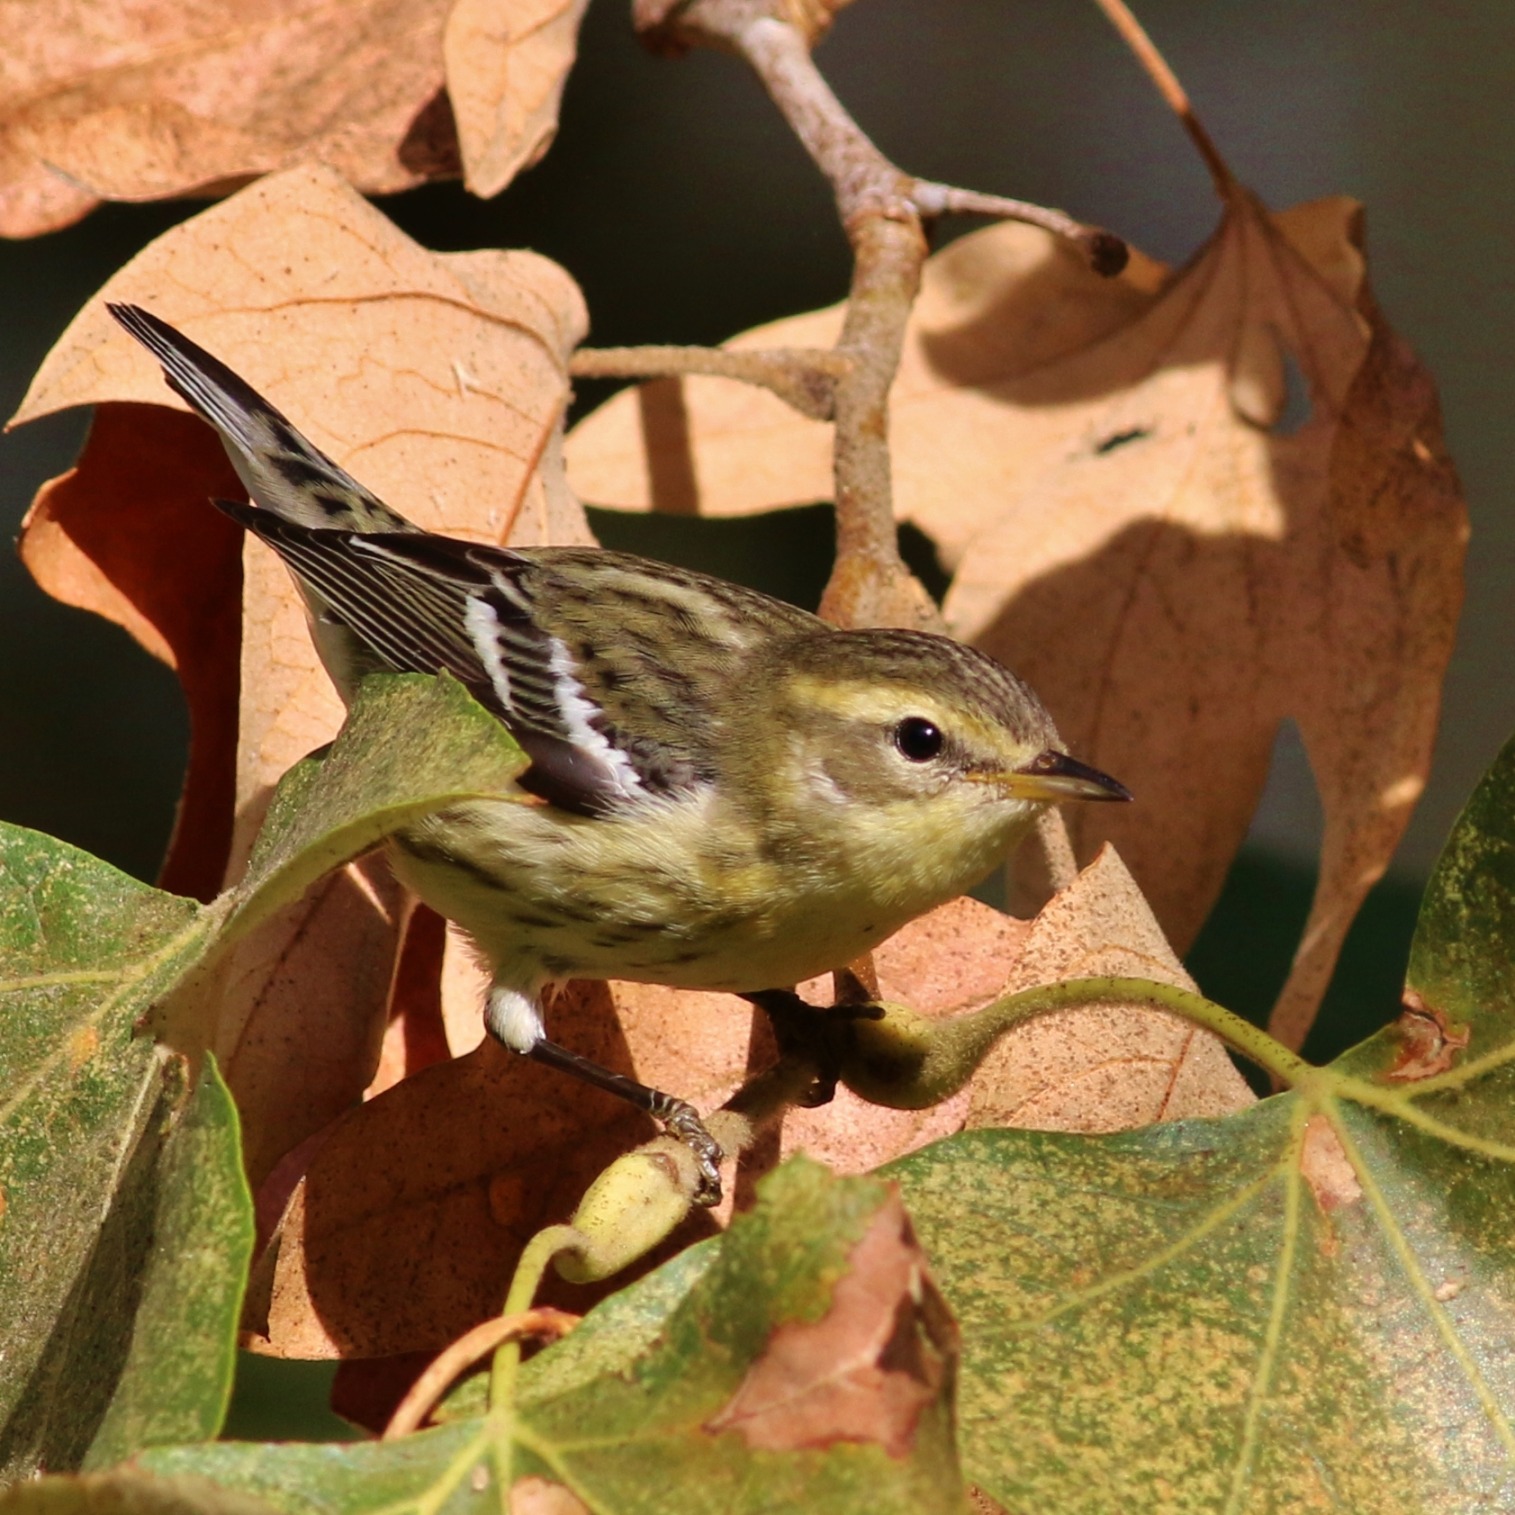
x: 283, y: 472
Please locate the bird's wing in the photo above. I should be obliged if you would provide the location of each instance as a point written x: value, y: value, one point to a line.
x: 566, y: 646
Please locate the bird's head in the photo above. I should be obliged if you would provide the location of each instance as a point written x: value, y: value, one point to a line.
x: 907, y: 750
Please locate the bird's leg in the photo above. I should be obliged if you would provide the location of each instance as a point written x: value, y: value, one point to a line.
x: 680, y: 1119
x: 812, y: 1031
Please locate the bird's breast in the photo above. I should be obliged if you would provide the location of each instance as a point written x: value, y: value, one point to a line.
x: 675, y: 891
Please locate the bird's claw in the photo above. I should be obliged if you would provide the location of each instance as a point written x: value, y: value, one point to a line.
x: 816, y: 1032
x: 683, y: 1121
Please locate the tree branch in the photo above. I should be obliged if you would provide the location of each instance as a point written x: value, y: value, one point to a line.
x: 804, y: 377
x: 881, y: 208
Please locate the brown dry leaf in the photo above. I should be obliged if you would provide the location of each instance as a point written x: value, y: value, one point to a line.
x: 440, y: 380
x: 1105, y: 1068
x: 139, y: 102
x: 104, y: 101
x: 951, y: 960
x: 885, y: 1350
x: 125, y: 533
x: 415, y: 1208
x: 1099, y: 1069
x: 506, y: 66
x: 1138, y: 525
x: 301, y: 1008
x: 416, y: 1036
x: 465, y: 981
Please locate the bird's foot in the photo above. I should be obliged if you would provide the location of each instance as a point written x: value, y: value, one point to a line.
x: 682, y: 1121
x: 819, y: 1033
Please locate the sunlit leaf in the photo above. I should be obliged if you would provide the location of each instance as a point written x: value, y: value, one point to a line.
x: 124, y: 1223
x: 177, y: 1377
x: 140, y: 102
x: 1306, y: 1305
x: 807, y: 1364
x: 99, y: 1147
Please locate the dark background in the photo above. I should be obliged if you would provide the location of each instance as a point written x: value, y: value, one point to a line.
x: 687, y: 212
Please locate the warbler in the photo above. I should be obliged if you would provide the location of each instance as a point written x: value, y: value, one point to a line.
x: 731, y: 793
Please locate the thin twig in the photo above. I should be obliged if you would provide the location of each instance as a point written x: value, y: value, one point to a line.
x: 880, y: 208
x: 1134, y: 35
x: 804, y: 377
x: 473, y: 1346
x: 870, y: 584
x: 1106, y: 253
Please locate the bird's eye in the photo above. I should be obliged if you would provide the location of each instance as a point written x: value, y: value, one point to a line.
x: 918, y: 739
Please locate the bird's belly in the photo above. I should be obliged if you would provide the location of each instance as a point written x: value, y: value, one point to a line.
x: 541, y: 909
x: 763, y: 949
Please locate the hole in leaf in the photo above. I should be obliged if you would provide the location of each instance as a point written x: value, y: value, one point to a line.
x: 1297, y: 403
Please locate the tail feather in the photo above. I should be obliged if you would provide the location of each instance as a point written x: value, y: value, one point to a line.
x: 283, y: 472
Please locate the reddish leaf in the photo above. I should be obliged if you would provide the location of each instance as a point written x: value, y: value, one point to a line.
x: 864, y: 1372
x: 125, y: 533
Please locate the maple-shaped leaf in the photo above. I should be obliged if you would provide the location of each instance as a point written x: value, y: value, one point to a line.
x: 141, y: 102
x: 1185, y: 505
x: 1304, y: 1305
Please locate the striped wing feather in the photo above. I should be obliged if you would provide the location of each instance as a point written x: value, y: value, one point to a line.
x: 605, y: 667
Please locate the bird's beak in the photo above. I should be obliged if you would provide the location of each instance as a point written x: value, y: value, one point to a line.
x: 1055, y: 776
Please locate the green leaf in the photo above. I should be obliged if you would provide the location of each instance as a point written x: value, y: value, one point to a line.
x: 456, y: 1467
x: 1462, y: 959
x: 177, y: 1379
x: 1305, y: 1306
x: 411, y: 744
x: 124, y: 1220
x: 802, y: 1361
x: 128, y: 1492
x: 85, y: 1120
